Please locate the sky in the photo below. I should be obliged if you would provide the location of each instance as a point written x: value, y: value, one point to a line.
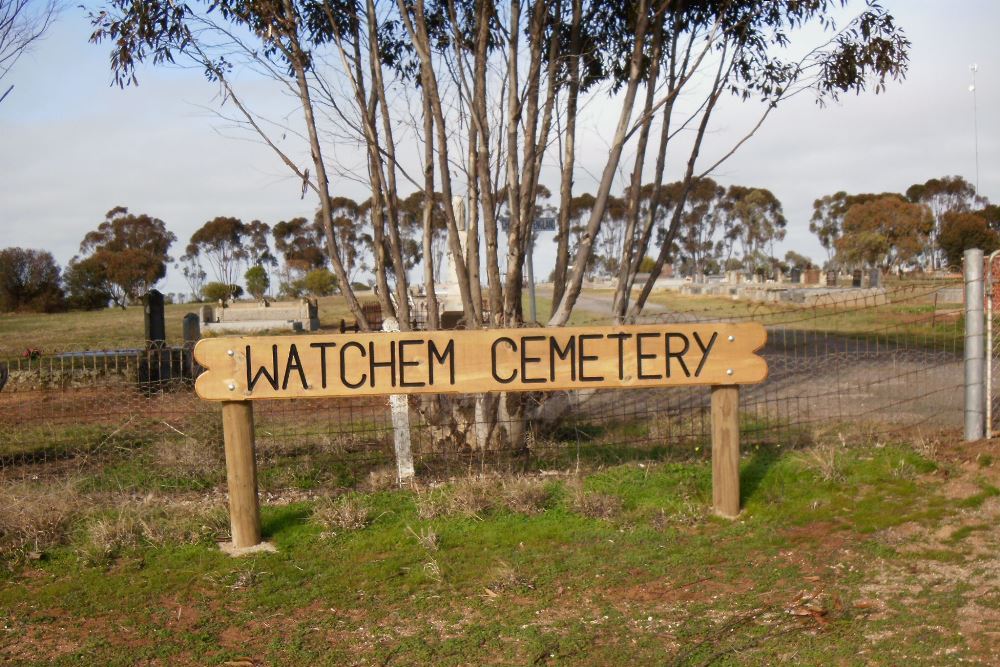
x: 72, y: 146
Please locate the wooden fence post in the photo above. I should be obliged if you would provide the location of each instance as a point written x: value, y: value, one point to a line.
x: 241, y: 473
x: 726, y: 450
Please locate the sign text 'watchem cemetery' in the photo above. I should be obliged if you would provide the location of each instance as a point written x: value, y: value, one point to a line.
x: 545, y: 359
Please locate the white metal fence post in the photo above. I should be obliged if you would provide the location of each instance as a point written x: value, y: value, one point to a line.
x: 974, y: 341
x: 399, y: 404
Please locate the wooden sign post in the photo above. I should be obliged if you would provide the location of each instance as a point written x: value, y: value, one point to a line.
x: 243, y: 369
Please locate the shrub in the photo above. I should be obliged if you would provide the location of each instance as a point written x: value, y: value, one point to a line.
x: 320, y: 282
x: 258, y: 282
x: 29, y: 280
x: 216, y: 291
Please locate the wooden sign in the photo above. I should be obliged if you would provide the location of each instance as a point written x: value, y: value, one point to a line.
x: 491, y: 360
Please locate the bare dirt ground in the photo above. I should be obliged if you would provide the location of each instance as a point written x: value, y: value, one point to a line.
x: 960, y: 559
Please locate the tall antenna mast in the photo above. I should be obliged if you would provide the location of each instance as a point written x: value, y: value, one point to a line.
x: 975, y: 119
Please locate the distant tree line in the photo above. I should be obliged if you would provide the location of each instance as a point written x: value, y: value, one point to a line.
x: 721, y: 228
x: 928, y: 227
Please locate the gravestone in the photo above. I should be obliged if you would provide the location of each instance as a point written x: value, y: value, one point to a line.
x: 875, y: 278
x: 155, y: 320
x: 257, y: 317
x: 856, y: 278
x: 796, y: 275
x: 831, y: 278
x: 192, y: 333
x: 449, y: 297
x: 154, y: 367
x: 811, y: 277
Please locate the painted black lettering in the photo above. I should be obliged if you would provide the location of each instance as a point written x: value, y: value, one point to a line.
x: 588, y: 357
x: 272, y: 377
x: 322, y: 359
x: 493, y: 355
x: 343, y: 364
x: 403, y: 363
x: 621, y: 352
x: 640, y: 356
x: 679, y: 356
x: 294, y: 363
x: 568, y: 352
x: 434, y: 354
x: 391, y: 364
x: 704, y: 350
x: 525, y: 359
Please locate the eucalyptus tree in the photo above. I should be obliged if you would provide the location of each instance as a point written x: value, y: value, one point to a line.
x: 22, y: 23
x: 742, y: 49
x: 126, y: 255
x: 827, y: 221
x: 949, y: 194
x: 470, y: 98
x: 225, y: 244
x: 498, y: 88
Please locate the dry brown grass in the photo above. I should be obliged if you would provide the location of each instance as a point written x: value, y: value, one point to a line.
x: 153, y: 521
x: 592, y: 504
x: 382, y: 478
x: 35, y: 517
x: 825, y: 459
x: 189, y: 456
x: 506, y: 578
x: 478, y: 495
x: 348, y: 512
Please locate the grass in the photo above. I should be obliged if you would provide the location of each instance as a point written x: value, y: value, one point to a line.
x: 619, y: 566
x: 912, y: 319
x: 908, y: 321
x: 112, y: 328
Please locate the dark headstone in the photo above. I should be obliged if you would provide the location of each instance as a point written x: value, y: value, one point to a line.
x: 856, y: 278
x: 154, y: 365
x: 191, y: 329
x: 452, y: 320
x: 796, y: 275
x: 156, y: 322
x: 831, y: 278
x: 875, y: 278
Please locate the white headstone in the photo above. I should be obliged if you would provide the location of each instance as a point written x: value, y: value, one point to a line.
x: 449, y: 296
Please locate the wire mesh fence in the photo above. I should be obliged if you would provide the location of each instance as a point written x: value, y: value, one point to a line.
x: 128, y: 419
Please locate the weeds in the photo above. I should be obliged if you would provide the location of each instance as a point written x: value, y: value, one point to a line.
x: 348, y: 512
x: 151, y: 521
x: 427, y: 538
x: 904, y: 470
x: 508, y: 578
x: 593, y: 505
x: 480, y: 495
x: 36, y: 517
x: 825, y: 460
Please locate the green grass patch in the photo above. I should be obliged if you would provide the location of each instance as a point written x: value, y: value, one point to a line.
x: 622, y: 565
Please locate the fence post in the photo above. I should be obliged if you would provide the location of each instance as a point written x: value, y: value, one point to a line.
x: 399, y: 404
x: 974, y: 356
x: 241, y: 473
x: 726, y: 450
